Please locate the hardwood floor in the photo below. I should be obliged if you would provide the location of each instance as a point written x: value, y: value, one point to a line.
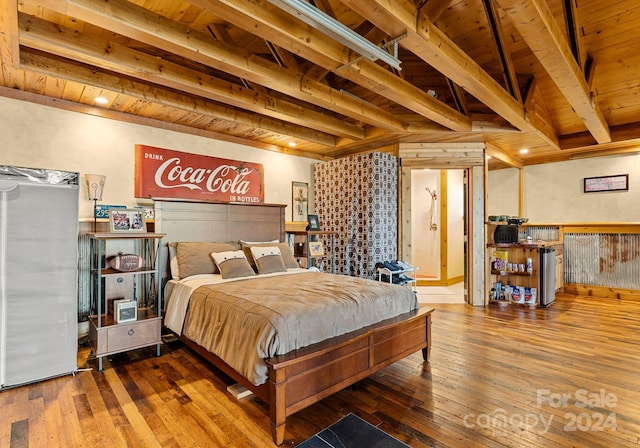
x: 509, y: 377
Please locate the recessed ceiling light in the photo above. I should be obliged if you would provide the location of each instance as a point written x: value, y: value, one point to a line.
x: 524, y: 151
x: 292, y: 144
x: 101, y: 100
x: 488, y: 157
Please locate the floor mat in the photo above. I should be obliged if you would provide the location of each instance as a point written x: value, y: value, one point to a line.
x: 352, y: 432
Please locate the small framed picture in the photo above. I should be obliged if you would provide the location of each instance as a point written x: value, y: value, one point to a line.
x: 314, y: 222
x: 127, y: 220
x: 316, y: 249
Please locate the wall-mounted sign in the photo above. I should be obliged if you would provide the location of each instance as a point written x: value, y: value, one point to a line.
x: 163, y: 173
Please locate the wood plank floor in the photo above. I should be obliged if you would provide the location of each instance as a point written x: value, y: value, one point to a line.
x: 511, y: 377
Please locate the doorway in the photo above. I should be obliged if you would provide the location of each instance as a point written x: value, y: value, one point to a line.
x: 434, y: 231
x: 438, y: 226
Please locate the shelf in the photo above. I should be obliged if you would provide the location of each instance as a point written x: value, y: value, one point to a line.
x: 123, y: 235
x: 106, y: 272
x: 109, y: 319
x: 507, y: 273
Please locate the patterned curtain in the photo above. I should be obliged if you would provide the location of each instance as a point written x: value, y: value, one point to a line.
x: 357, y: 197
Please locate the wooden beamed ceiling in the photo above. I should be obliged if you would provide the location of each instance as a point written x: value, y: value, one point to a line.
x: 505, y: 73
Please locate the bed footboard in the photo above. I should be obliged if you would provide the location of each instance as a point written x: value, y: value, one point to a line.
x: 304, y: 377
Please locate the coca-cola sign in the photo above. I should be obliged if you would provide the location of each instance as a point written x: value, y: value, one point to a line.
x: 163, y: 173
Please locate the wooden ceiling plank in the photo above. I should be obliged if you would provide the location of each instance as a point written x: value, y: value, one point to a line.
x: 498, y: 154
x: 127, y: 19
x: 434, y: 8
x: 46, y: 37
x: 267, y: 21
x: 80, y: 76
x: 9, y: 45
x: 536, y: 24
x: 430, y: 44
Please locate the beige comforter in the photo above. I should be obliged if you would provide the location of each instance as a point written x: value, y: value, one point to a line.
x: 245, y: 321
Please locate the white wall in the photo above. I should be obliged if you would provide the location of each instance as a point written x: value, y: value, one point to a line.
x: 553, y: 192
x: 38, y: 136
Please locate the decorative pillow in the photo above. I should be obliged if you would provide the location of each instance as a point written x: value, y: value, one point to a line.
x: 268, y: 259
x: 173, y: 260
x: 285, y: 253
x: 232, y: 264
x: 195, y: 257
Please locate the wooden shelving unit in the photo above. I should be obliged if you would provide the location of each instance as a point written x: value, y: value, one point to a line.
x: 106, y: 336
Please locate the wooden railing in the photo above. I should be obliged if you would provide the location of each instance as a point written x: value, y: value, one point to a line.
x: 600, y: 259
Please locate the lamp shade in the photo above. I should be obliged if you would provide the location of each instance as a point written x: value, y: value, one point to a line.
x: 95, y: 185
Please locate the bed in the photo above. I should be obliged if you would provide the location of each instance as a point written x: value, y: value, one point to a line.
x: 302, y: 335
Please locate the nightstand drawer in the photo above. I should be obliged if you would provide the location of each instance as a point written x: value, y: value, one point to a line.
x: 134, y: 334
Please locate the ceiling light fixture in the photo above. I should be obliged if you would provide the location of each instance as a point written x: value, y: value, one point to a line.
x: 101, y: 100
x: 328, y: 25
x: 292, y: 144
x: 524, y: 151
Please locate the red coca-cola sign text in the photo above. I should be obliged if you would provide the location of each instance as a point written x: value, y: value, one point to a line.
x: 163, y: 173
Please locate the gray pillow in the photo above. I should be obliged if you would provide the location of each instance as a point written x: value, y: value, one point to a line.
x: 268, y: 259
x: 195, y: 257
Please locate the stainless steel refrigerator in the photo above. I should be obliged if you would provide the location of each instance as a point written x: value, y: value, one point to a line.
x: 38, y: 274
x: 547, y: 276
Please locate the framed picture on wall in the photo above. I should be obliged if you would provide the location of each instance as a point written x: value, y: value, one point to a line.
x: 314, y: 222
x: 127, y: 220
x: 299, y: 200
x: 618, y: 182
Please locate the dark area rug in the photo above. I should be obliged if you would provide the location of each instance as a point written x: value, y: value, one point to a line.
x: 352, y: 432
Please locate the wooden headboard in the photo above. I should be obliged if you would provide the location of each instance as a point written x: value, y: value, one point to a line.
x: 201, y: 221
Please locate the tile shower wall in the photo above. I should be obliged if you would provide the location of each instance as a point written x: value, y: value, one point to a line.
x: 357, y: 197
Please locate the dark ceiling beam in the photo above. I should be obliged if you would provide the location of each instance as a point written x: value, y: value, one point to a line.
x: 569, y: 9
x: 502, y: 44
x: 457, y: 93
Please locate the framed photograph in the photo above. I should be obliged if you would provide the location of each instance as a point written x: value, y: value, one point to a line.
x: 619, y: 182
x: 299, y: 200
x: 314, y: 222
x: 316, y: 249
x: 127, y: 220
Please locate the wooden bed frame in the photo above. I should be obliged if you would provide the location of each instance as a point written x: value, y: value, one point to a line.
x: 306, y: 376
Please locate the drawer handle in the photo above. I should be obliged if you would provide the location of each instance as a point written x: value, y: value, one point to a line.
x: 130, y: 332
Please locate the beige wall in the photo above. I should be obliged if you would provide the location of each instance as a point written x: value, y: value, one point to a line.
x: 455, y: 223
x: 553, y: 192
x: 38, y: 136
